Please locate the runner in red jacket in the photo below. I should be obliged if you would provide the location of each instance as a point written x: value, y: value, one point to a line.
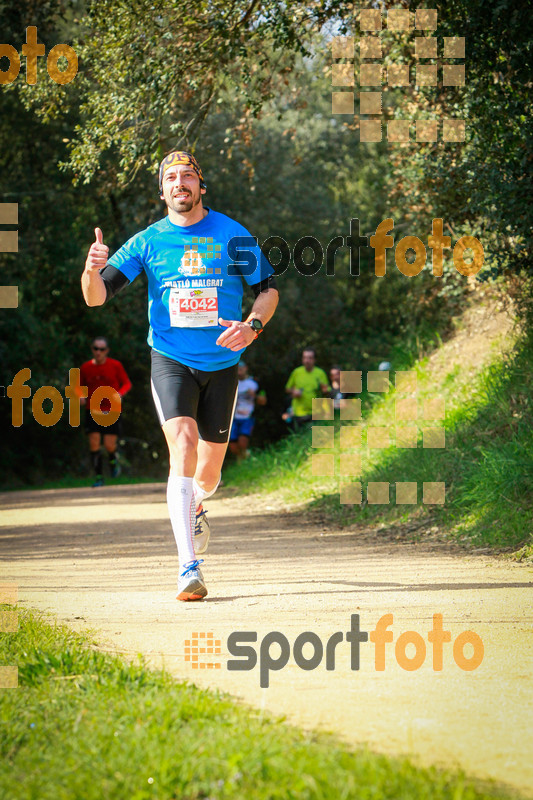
x: 103, y: 371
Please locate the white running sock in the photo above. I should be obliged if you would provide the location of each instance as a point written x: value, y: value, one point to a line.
x: 182, y: 512
x: 200, y: 494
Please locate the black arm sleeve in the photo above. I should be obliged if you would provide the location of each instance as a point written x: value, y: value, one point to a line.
x: 114, y: 280
x: 264, y: 285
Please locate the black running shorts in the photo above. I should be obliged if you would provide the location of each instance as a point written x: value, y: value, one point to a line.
x: 207, y: 397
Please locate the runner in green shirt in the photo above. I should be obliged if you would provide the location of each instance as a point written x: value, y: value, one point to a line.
x: 304, y: 383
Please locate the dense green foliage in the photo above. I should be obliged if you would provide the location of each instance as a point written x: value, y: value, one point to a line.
x: 86, y: 724
x: 486, y: 466
x: 482, y: 186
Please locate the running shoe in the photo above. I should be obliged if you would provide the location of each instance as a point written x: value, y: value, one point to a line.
x: 191, y: 584
x: 201, y: 532
x: 99, y: 481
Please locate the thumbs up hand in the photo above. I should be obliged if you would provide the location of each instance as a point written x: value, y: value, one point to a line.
x: 98, y: 253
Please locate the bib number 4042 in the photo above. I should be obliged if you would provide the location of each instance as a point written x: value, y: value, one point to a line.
x: 198, y: 303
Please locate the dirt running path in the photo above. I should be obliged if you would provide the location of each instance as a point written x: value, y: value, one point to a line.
x: 106, y: 558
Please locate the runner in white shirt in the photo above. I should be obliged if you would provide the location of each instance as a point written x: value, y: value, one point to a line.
x: 243, y: 420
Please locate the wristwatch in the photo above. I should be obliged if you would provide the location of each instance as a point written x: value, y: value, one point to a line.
x: 256, y: 325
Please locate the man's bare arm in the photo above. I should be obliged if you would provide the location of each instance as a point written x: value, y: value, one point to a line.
x: 238, y: 334
x: 264, y: 306
x: 92, y: 284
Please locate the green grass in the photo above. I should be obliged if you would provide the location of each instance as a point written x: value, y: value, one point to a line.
x: 487, y: 464
x: 85, y: 725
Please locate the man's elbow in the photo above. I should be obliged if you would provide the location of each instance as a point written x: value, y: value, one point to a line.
x: 93, y: 302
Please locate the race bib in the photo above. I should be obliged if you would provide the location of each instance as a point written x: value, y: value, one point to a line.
x: 193, y: 308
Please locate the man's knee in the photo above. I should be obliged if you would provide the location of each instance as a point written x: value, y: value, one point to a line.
x: 94, y: 442
x: 110, y: 443
x: 181, y: 437
x: 183, y: 440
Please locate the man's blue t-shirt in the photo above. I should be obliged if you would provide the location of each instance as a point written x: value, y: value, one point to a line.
x: 192, y: 281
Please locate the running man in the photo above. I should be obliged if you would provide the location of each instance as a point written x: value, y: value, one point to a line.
x: 197, y: 337
x: 305, y: 383
x: 102, y: 371
x: 243, y: 420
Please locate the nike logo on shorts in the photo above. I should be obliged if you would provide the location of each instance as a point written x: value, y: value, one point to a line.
x: 227, y: 429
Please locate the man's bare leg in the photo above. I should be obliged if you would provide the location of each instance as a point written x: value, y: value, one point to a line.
x: 95, y: 441
x: 181, y: 434
x: 211, y: 456
x: 243, y: 443
x: 110, y: 444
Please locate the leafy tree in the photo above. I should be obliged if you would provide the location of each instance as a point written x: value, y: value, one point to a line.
x: 481, y: 186
x: 249, y: 84
x: 152, y: 70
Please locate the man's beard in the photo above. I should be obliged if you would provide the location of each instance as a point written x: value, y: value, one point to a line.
x: 183, y: 206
